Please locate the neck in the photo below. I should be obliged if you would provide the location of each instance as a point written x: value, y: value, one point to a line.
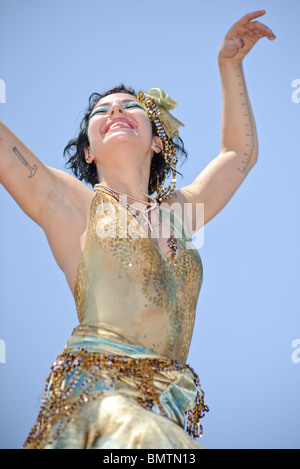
x: 132, y: 183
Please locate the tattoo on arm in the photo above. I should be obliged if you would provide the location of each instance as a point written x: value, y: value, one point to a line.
x: 248, y: 122
x: 32, y: 169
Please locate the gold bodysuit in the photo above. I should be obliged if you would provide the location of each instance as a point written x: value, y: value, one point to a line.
x: 125, y: 280
x: 121, y: 381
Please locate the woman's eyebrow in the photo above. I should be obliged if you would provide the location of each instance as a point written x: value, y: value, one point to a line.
x: 124, y: 101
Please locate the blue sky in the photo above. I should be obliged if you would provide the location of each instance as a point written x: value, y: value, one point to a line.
x: 53, y: 56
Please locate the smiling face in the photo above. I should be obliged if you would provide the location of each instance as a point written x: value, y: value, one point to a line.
x: 119, y: 122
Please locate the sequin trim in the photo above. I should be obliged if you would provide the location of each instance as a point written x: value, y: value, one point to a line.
x: 59, y: 404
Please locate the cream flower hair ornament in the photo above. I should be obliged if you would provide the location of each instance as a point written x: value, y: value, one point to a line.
x: 165, y: 104
x: 157, y: 105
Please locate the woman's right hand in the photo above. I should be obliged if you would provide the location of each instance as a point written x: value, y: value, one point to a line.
x: 242, y: 36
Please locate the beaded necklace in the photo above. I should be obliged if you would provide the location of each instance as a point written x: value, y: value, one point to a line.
x: 143, y: 215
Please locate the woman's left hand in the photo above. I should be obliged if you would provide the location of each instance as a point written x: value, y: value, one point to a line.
x: 242, y: 36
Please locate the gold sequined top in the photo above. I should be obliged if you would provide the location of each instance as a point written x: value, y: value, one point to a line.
x: 125, y: 280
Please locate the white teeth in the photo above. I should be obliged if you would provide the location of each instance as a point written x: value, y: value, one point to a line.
x: 119, y: 124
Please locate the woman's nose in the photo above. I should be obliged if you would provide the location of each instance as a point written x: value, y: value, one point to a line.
x: 115, y: 110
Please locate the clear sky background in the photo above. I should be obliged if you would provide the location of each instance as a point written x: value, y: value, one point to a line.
x: 53, y: 55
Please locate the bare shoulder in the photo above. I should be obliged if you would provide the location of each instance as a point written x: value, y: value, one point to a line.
x: 54, y: 199
x: 177, y: 204
x: 65, y: 220
x: 67, y: 193
x: 189, y: 209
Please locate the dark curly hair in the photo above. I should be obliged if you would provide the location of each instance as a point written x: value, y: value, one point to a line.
x: 75, y: 149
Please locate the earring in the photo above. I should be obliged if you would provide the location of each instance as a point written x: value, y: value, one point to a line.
x: 168, y: 149
x: 87, y: 155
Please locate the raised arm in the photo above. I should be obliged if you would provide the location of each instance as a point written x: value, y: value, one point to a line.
x: 218, y: 182
x: 23, y: 175
x: 55, y: 200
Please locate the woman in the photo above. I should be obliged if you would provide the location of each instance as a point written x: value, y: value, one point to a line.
x: 121, y: 381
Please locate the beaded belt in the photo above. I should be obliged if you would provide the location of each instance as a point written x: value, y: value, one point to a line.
x: 80, y: 376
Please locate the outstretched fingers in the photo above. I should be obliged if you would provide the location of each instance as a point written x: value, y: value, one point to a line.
x: 246, y: 19
x: 243, y: 35
x: 261, y: 30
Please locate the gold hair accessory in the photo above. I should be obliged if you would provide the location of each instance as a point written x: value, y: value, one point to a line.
x: 165, y: 104
x: 157, y: 105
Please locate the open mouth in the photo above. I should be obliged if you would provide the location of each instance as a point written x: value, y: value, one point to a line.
x: 119, y: 124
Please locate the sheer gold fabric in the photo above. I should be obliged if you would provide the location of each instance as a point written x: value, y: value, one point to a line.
x: 121, y: 381
x: 125, y: 280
